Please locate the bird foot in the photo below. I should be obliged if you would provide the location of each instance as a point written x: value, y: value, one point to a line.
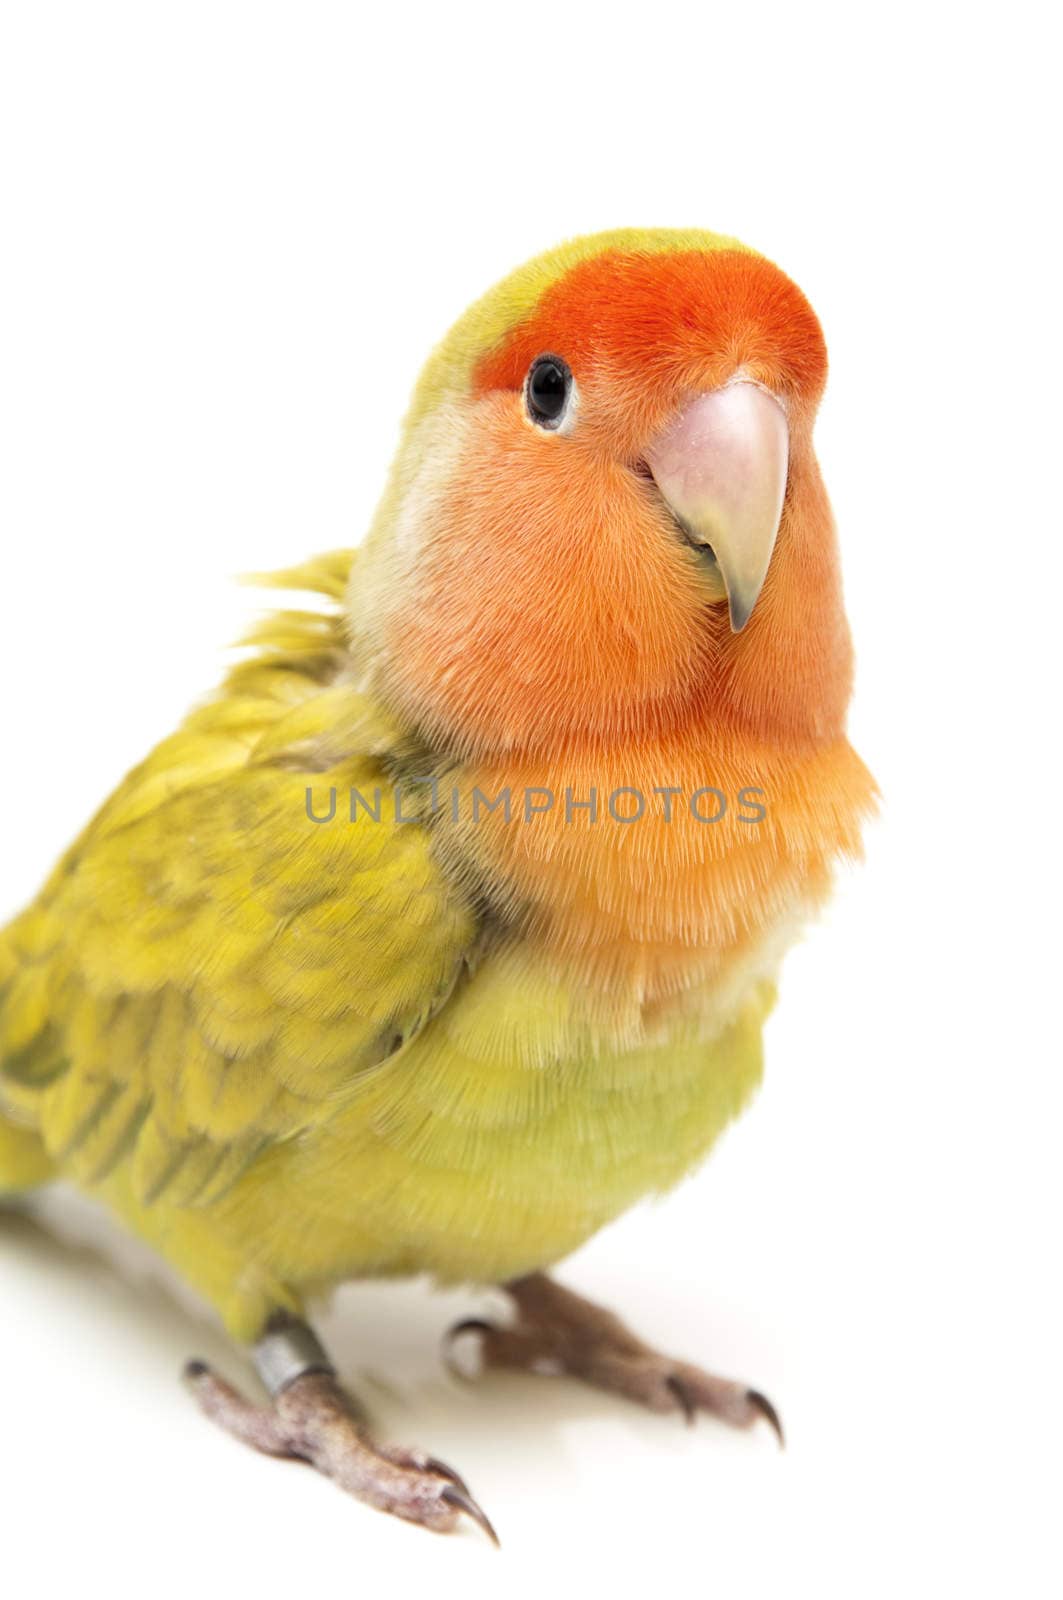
x: 557, y: 1331
x: 312, y: 1419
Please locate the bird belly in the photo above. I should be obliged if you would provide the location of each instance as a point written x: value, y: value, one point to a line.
x: 502, y: 1138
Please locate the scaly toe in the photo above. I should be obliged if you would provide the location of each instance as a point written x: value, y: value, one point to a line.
x: 687, y: 1403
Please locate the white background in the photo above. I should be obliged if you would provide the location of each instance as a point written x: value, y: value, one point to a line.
x: 231, y: 233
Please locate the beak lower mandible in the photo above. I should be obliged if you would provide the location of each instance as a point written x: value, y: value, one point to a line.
x: 721, y: 466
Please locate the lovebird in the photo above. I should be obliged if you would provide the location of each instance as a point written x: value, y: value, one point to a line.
x: 446, y: 929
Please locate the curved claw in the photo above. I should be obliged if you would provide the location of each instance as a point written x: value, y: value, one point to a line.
x: 461, y: 1500
x: 683, y: 1395
x: 441, y: 1470
x: 761, y: 1403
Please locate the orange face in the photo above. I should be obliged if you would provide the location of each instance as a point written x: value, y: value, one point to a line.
x: 551, y: 598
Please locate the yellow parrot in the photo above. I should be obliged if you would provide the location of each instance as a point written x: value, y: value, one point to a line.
x: 447, y: 928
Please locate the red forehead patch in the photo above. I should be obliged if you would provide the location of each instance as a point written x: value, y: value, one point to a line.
x: 666, y: 315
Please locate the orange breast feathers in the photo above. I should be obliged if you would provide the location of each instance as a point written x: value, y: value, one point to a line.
x: 668, y: 863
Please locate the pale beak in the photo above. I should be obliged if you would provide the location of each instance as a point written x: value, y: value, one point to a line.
x: 721, y: 466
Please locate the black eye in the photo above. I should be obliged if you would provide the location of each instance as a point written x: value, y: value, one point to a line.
x: 547, y: 389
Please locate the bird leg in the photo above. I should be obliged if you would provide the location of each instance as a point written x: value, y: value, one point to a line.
x: 311, y: 1418
x: 557, y: 1331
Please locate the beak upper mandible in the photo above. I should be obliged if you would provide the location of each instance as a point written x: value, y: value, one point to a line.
x: 721, y: 465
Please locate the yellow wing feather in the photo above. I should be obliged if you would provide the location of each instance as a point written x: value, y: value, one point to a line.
x: 208, y: 971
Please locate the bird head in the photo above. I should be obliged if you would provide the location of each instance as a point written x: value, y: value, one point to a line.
x: 605, y: 516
